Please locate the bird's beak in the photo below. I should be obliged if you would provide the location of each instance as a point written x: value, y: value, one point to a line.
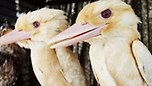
x: 75, y: 33
x: 14, y: 36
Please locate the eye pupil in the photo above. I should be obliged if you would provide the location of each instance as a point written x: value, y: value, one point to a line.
x: 36, y: 24
x: 106, y: 13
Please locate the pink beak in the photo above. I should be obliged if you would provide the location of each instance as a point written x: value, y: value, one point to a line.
x: 75, y: 33
x: 14, y: 36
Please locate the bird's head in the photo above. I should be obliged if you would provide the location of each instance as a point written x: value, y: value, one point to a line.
x: 100, y: 18
x: 40, y: 25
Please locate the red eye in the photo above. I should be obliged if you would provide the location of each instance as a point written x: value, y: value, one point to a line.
x: 36, y: 24
x: 106, y: 13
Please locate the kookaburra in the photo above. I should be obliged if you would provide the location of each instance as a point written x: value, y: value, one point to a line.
x: 118, y: 57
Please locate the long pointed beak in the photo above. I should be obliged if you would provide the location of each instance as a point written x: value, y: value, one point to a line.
x: 75, y: 33
x: 14, y: 36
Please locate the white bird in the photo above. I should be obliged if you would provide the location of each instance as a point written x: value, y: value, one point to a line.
x: 118, y: 57
x: 52, y: 67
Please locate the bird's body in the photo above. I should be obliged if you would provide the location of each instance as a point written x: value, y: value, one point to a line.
x: 117, y: 64
x: 65, y: 69
x: 52, y: 67
x: 46, y: 65
x: 114, y: 54
x: 118, y: 58
x: 71, y: 67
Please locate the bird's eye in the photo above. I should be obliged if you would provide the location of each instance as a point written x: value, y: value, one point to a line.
x: 36, y: 24
x: 106, y: 13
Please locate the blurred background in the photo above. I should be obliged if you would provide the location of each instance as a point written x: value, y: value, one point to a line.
x: 15, y: 63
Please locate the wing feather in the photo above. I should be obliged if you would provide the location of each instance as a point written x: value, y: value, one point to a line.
x: 144, y: 60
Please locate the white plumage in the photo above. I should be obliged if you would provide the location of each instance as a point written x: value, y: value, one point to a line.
x: 53, y: 67
x: 117, y: 56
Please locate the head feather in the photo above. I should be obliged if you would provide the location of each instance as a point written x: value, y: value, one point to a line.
x: 52, y: 21
x: 42, y: 15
